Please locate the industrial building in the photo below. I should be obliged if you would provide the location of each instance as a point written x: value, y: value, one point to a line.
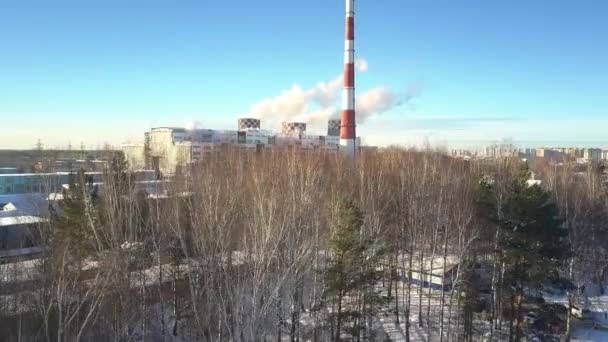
x: 18, y: 232
x: 20, y: 217
x: 25, y: 200
x: 8, y: 170
x: 25, y: 183
x: 22, y: 183
x: 167, y: 148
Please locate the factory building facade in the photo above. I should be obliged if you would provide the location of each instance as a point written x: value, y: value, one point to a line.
x: 26, y: 183
x: 167, y: 148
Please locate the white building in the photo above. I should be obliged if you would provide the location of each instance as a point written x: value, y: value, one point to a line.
x: 433, y: 272
x: 167, y: 148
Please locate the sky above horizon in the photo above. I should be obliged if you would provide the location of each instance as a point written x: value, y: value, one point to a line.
x: 456, y: 72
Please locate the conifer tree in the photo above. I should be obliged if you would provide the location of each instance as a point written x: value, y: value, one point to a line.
x: 533, y: 242
x: 118, y: 168
x: 353, y: 272
x: 71, y: 229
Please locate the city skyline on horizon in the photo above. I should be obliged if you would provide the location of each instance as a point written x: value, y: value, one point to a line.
x: 465, y: 145
x: 106, y: 71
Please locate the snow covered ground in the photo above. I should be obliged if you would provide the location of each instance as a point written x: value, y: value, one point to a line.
x: 588, y: 332
x: 397, y: 332
x: 594, y: 326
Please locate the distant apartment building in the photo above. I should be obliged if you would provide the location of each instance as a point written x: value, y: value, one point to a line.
x: 501, y: 151
x: 135, y: 155
x: 527, y: 153
x: 462, y: 153
x: 574, y: 153
x: 549, y: 154
x: 167, y: 148
x: 592, y: 154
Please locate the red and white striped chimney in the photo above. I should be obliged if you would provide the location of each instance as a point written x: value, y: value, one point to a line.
x: 347, y: 126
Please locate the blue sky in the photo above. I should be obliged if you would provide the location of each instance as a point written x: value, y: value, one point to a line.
x: 106, y: 70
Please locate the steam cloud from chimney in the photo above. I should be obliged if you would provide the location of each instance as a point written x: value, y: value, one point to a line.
x: 381, y: 100
x: 192, y: 125
x: 320, y: 103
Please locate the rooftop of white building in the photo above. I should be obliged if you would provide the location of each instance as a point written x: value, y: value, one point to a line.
x: 18, y: 220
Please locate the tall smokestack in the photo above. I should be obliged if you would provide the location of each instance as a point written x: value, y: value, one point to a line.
x: 347, y: 127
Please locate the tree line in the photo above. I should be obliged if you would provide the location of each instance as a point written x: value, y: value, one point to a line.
x: 286, y: 245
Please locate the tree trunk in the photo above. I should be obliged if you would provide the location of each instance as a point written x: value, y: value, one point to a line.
x: 420, y: 288
x: 295, y: 314
x: 175, y: 307
x: 570, y: 303
x: 518, y: 331
x: 338, y: 319
x: 450, y: 303
x: 160, y: 294
x: 501, y: 280
x: 495, y: 276
x: 429, y: 292
x: 600, y: 280
x: 409, y: 293
x: 396, y: 282
x: 445, y: 256
x: 512, y: 318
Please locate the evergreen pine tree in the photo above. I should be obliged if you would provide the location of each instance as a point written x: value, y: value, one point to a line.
x: 533, y: 242
x: 118, y: 168
x: 70, y: 223
x: 353, y: 272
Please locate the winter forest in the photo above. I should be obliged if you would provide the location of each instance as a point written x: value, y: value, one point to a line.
x: 396, y: 245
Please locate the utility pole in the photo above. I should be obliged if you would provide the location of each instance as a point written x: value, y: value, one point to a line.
x: 39, y: 146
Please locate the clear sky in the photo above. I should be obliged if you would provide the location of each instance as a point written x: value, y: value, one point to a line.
x: 106, y: 70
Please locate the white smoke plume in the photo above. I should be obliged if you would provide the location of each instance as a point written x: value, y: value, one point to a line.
x: 318, y: 117
x: 325, y: 93
x: 291, y: 102
x: 381, y: 100
x: 294, y: 104
x: 375, y: 101
x: 361, y: 65
x: 192, y: 125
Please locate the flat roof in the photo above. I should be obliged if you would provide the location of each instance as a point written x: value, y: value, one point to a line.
x: 21, y: 252
x: 63, y: 173
x: 180, y: 129
x: 17, y: 220
x: 55, y: 197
